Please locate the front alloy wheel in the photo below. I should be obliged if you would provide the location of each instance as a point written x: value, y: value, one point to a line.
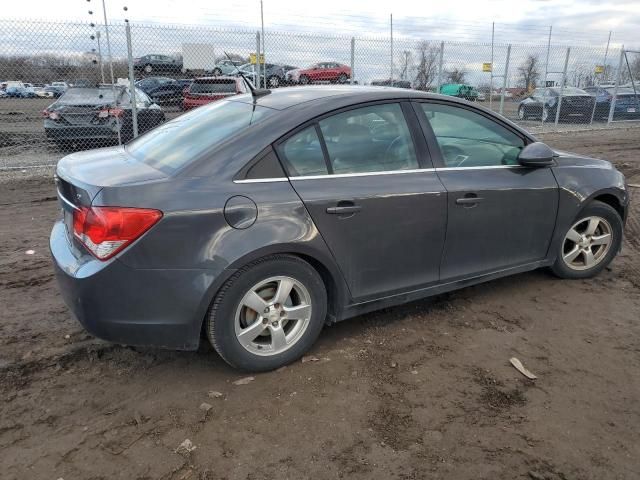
x: 590, y: 243
x: 587, y: 243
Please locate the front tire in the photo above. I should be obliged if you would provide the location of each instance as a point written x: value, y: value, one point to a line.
x: 148, y: 68
x: 217, y: 72
x: 273, y: 81
x: 590, y: 243
x: 304, y: 80
x: 268, y: 314
x: 342, y: 78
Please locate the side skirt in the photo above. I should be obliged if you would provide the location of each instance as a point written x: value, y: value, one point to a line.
x: 356, y: 309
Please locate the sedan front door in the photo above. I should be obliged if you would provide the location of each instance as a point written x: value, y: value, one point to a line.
x: 364, y: 176
x: 500, y: 215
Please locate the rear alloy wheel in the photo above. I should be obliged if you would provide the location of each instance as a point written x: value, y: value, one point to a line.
x: 274, y: 81
x: 148, y: 68
x: 217, y: 72
x: 342, y: 78
x: 521, y: 113
x: 268, y: 314
x: 304, y: 80
x: 590, y: 243
x: 545, y: 114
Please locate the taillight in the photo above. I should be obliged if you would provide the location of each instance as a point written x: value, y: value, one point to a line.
x: 110, y: 112
x: 106, y: 231
x: 51, y: 115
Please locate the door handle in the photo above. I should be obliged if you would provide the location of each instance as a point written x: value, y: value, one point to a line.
x: 469, y: 199
x: 344, y: 210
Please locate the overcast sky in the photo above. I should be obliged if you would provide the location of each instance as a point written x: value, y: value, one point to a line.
x: 524, y: 21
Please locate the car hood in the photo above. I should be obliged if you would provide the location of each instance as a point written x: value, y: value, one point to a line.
x: 105, y: 167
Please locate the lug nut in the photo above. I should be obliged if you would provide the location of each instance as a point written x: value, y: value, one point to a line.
x: 283, y: 313
x: 266, y: 310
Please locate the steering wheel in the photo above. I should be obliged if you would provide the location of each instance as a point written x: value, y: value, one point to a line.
x: 450, y: 152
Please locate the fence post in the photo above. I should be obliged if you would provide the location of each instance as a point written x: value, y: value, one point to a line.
x: 257, y: 69
x: 546, y: 73
x: 504, y: 79
x: 100, y: 56
x: 615, y: 88
x: 440, y: 66
x: 132, y: 84
x: 564, y: 80
x: 391, y: 70
x: 353, y: 57
x: 493, y: 29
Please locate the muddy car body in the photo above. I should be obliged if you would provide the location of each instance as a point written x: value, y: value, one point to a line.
x: 251, y: 214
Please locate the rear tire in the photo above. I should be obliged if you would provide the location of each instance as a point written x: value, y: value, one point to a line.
x: 574, y: 260
x: 217, y: 72
x: 264, y: 340
x: 304, y: 80
x: 342, y: 78
x: 273, y: 81
x: 148, y: 68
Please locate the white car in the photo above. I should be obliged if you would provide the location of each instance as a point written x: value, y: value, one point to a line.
x: 63, y: 85
x: 42, y: 92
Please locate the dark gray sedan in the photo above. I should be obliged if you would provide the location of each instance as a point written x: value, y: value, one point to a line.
x: 257, y: 220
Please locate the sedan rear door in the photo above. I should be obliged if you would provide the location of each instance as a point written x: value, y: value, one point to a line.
x: 366, y: 179
x: 500, y: 215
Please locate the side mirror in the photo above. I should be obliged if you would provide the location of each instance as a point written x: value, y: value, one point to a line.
x: 536, y: 154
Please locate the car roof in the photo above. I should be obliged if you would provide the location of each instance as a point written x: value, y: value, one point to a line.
x: 283, y: 98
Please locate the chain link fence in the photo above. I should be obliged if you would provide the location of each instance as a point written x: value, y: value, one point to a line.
x: 66, y: 87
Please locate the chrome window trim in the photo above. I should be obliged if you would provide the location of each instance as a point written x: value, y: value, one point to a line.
x: 262, y: 180
x: 485, y: 167
x: 361, y: 174
x: 369, y: 174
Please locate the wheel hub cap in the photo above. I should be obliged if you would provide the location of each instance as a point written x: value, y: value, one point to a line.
x: 587, y: 243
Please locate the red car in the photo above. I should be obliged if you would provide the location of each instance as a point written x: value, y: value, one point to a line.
x: 209, y: 89
x: 320, y: 72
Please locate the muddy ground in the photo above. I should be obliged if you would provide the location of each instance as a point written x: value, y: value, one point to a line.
x: 419, y: 391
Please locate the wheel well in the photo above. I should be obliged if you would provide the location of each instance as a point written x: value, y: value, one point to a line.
x: 330, y: 283
x: 612, y: 201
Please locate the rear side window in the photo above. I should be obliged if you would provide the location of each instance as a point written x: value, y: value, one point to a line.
x: 303, y: 153
x: 369, y: 139
x: 178, y: 142
x: 213, y: 86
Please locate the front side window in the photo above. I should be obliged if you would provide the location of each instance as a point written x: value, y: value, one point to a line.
x: 468, y: 139
x: 369, y: 139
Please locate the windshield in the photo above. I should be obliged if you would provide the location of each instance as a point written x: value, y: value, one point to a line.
x: 178, y: 142
x: 93, y: 96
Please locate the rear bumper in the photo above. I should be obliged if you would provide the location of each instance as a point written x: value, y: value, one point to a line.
x: 81, y: 132
x: 159, y: 307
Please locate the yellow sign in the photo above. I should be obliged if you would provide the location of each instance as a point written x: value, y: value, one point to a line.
x: 487, y: 67
x: 599, y: 68
x: 252, y: 58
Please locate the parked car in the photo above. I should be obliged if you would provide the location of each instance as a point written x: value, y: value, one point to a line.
x: 42, y: 92
x: 460, y: 90
x: 226, y: 67
x: 627, y: 102
x: 543, y: 103
x: 155, y: 63
x: 209, y: 89
x: 389, y: 83
x: 275, y: 73
x: 320, y: 72
x: 60, y: 86
x: 162, y: 90
x: 55, y: 91
x: 20, y: 92
x: 258, y: 219
x: 184, y: 82
x: 84, y: 114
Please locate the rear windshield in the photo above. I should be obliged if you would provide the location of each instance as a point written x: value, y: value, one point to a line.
x: 624, y: 91
x: 213, y: 86
x: 178, y: 142
x: 75, y: 96
x: 569, y: 91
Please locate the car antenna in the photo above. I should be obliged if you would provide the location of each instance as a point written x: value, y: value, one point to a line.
x: 255, y: 92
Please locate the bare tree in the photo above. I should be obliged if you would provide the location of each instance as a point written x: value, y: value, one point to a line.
x: 426, y: 68
x: 456, y: 75
x: 406, y: 64
x: 529, y: 73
